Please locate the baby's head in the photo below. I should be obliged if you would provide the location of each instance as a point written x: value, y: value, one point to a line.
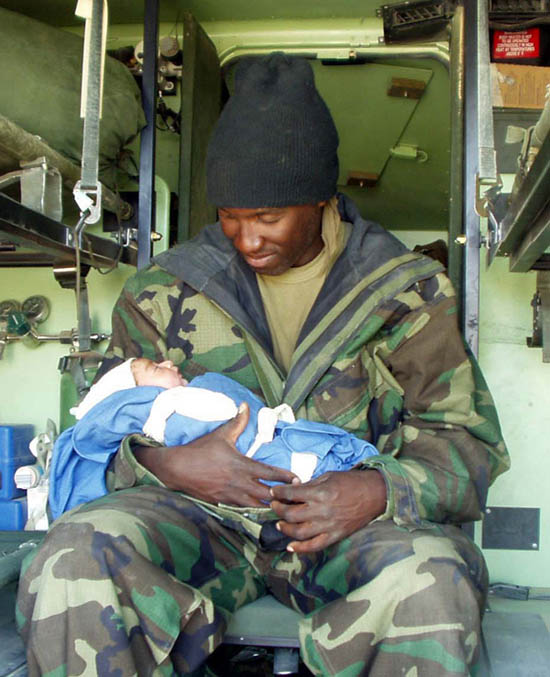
x: 138, y: 371
x: 163, y: 374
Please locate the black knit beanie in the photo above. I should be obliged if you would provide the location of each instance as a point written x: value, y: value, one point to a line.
x: 275, y: 142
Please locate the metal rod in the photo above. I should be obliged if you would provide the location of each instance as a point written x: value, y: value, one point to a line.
x: 456, y: 250
x: 148, y: 136
x: 471, y: 166
x: 487, y: 166
x: 63, y: 337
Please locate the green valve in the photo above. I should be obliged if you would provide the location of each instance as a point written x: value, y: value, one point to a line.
x: 18, y: 323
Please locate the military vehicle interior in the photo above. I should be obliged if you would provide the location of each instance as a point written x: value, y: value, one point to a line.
x: 442, y: 140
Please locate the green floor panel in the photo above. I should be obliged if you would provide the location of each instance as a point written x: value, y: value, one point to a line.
x: 12, y: 651
x: 517, y: 644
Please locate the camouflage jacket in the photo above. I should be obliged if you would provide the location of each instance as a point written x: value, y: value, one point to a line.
x: 380, y: 355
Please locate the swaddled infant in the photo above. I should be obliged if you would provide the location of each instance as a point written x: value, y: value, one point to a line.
x: 142, y: 396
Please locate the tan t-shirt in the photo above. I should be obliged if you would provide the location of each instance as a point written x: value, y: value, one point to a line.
x: 288, y: 298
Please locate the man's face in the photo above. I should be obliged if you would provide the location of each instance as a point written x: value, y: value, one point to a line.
x: 273, y: 239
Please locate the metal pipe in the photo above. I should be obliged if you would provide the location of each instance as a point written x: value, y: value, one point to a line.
x: 65, y: 336
x: 542, y: 128
x: 438, y: 52
x: 81, y: 290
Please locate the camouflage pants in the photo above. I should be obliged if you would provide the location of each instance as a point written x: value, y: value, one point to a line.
x: 142, y: 582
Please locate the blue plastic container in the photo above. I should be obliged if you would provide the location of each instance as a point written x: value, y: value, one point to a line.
x: 13, y: 514
x: 14, y: 452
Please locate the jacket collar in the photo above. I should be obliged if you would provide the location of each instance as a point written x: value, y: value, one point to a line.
x: 210, y: 264
x: 373, y: 267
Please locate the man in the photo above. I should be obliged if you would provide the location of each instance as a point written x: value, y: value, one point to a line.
x: 295, y: 296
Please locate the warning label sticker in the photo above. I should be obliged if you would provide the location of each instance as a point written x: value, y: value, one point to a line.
x: 516, y: 44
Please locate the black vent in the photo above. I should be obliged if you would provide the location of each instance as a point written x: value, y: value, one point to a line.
x: 412, y: 20
x: 518, y: 7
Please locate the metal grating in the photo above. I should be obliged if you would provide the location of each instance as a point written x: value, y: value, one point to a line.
x: 518, y: 7
x: 407, y: 17
x: 414, y: 19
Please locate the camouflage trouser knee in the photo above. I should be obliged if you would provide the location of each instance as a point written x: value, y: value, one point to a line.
x: 143, y: 580
x: 407, y: 603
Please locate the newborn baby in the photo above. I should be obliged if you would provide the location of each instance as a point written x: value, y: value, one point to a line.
x: 142, y: 396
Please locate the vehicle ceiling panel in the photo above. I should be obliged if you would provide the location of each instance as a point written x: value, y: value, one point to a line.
x: 61, y: 12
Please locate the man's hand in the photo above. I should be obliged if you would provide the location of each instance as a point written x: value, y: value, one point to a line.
x: 329, y: 508
x: 212, y: 469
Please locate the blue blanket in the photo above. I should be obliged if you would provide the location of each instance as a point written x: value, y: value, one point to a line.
x: 83, y: 452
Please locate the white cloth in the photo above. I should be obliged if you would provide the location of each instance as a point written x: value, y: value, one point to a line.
x: 197, y: 403
x: 267, y: 420
x: 208, y: 405
x: 118, y: 378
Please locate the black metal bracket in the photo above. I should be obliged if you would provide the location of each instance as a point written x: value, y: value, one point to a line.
x: 524, y: 231
x: 149, y: 93
x: 54, y: 240
x: 413, y: 20
x: 541, y: 315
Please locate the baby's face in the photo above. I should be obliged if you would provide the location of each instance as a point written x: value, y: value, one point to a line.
x: 163, y: 374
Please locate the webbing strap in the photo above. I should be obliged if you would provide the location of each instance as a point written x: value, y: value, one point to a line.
x: 87, y: 191
x: 93, y: 12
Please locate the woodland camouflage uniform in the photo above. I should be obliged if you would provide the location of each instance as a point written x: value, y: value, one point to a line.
x: 142, y: 581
